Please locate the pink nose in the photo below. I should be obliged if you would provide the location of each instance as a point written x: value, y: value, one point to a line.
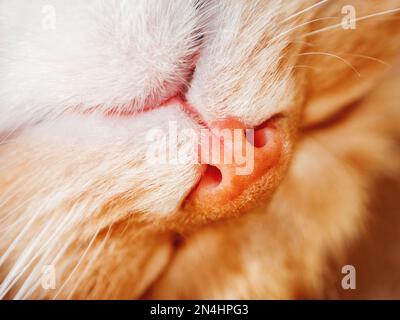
x: 234, y: 158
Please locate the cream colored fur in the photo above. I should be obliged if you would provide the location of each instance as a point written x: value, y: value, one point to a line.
x: 77, y: 193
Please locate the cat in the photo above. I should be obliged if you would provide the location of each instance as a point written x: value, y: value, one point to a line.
x: 84, y: 214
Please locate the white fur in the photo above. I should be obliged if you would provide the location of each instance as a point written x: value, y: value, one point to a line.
x: 66, y: 166
x: 228, y: 81
x: 106, y: 54
x: 101, y: 53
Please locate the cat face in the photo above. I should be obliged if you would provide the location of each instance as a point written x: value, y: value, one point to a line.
x: 89, y: 89
x: 95, y: 83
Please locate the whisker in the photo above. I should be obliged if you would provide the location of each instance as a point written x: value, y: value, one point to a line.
x: 300, y: 26
x: 90, y: 263
x: 305, y: 43
x: 306, y: 66
x: 15, y: 273
x: 78, y: 263
x: 331, y: 55
x: 16, y: 208
x: 10, y: 213
x: 25, y: 291
x: 351, y: 21
x: 369, y: 58
x: 305, y: 10
x: 12, y: 246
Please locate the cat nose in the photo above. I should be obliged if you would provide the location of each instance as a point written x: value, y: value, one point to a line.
x: 234, y: 159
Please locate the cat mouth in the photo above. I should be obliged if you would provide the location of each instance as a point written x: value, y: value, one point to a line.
x: 177, y: 99
x: 172, y: 92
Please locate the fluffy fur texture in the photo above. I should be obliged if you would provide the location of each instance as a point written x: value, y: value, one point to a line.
x: 77, y: 193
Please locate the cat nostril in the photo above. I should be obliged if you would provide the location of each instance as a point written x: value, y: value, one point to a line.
x: 259, y: 139
x: 260, y: 136
x: 234, y: 165
x: 212, y: 176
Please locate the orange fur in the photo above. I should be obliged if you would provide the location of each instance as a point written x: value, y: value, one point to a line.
x: 119, y: 235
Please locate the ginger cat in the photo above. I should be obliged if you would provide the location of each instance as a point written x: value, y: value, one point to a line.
x: 83, y: 83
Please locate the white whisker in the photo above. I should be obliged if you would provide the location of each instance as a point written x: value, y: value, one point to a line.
x: 331, y: 55
x: 352, y: 21
x: 306, y: 66
x: 19, y: 237
x: 90, y: 263
x: 305, y: 10
x: 300, y: 26
x: 25, y: 291
x: 369, y: 58
x: 78, y: 263
x: 22, y: 263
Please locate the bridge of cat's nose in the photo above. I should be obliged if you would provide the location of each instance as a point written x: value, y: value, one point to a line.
x: 234, y: 159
